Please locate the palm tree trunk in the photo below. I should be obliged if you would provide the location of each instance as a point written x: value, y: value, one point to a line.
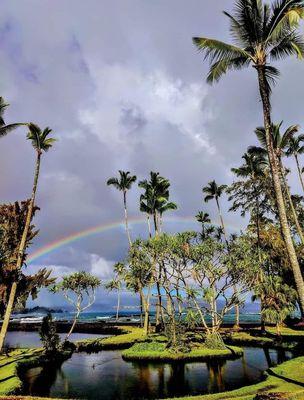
x: 221, y: 218
x: 21, y: 251
x: 294, y: 214
x: 118, y: 304
x: 299, y: 171
x: 126, y: 217
x: 149, y: 226
x: 9, y: 309
x: 277, y: 186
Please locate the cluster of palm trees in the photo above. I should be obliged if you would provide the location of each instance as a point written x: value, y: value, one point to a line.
x: 41, y: 142
x: 262, y: 33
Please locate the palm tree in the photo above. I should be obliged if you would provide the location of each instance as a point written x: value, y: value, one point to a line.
x: 280, y: 143
x: 124, y: 183
x: 203, y: 218
x: 254, y: 168
x: 155, y: 200
x: 41, y: 142
x: 262, y: 33
x: 214, y: 192
x: 5, y: 129
x: 295, y: 148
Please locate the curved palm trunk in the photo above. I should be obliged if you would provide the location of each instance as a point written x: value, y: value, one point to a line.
x: 126, y: 217
x: 299, y: 171
x: 159, y: 319
x: 277, y: 186
x: 237, y: 308
x: 149, y: 226
x: 21, y: 251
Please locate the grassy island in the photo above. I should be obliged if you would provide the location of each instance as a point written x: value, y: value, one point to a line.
x: 157, y: 351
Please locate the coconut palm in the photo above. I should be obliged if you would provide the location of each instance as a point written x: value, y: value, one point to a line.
x: 295, y: 147
x: 203, y: 218
x: 262, y: 33
x: 280, y: 143
x: 41, y: 143
x: 124, y: 183
x: 155, y: 200
x: 5, y: 129
x: 214, y: 191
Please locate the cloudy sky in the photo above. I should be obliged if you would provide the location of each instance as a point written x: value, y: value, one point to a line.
x: 122, y: 87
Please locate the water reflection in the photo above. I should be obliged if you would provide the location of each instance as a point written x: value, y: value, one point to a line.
x: 105, y: 375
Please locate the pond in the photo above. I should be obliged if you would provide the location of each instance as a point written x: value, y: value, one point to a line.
x: 106, y: 376
x: 16, y: 339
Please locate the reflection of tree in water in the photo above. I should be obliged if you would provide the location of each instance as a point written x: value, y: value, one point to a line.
x: 267, y: 356
x: 281, y: 356
x: 177, y: 383
x: 42, y: 384
x: 216, y: 375
x: 145, y: 378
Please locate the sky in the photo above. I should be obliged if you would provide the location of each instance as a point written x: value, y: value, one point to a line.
x: 122, y: 87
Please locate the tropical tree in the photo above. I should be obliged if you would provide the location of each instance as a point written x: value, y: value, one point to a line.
x: 280, y: 143
x: 262, y: 33
x: 279, y: 300
x: 295, y: 148
x: 214, y: 191
x: 116, y: 283
x: 124, y: 183
x: 41, y: 142
x: 78, y: 288
x: 4, y: 128
x: 155, y: 199
x: 203, y: 219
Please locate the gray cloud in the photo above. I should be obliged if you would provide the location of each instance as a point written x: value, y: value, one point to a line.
x: 122, y: 86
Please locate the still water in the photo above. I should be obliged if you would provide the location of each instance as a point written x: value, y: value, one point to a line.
x: 106, y: 376
x: 22, y: 339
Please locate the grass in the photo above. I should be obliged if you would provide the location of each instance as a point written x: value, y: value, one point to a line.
x: 129, y: 335
x: 157, y: 351
x: 287, y: 378
x: 9, y: 379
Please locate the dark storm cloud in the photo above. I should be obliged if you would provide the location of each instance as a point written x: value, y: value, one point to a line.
x: 122, y: 86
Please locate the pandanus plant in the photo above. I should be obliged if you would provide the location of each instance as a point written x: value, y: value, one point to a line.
x: 262, y: 33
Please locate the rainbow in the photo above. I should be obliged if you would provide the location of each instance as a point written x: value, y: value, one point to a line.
x: 76, y: 236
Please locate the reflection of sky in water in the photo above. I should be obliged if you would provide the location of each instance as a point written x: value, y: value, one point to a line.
x: 106, y: 376
x: 32, y: 339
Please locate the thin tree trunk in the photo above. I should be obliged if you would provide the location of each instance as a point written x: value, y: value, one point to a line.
x: 277, y: 187
x: 236, y: 307
x: 126, y: 217
x: 118, y: 304
x: 21, y: 251
x: 72, y: 327
x: 299, y: 171
x: 293, y: 211
x: 9, y: 309
x: 149, y: 226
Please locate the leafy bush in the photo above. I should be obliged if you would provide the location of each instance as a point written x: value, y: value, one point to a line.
x: 49, y: 336
x: 214, y: 341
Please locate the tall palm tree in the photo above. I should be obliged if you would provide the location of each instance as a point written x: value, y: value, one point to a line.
x: 262, y: 33
x: 124, y: 183
x: 41, y: 142
x: 280, y: 143
x: 155, y: 201
x: 214, y: 191
x: 203, y: 219
x: 295, y: 147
